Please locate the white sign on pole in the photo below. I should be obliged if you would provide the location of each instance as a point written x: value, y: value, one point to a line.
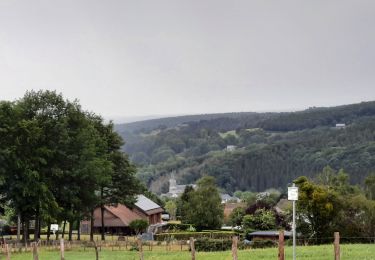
x: 292, y: 193
x: 54, y: 228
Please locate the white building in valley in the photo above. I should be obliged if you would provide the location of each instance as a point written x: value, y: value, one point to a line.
x: 175, y: 189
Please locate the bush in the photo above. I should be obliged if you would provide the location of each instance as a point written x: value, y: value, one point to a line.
x: 179, y: 227
x: 138, y: 225
x: 196, y: 235
x: 208, y: 244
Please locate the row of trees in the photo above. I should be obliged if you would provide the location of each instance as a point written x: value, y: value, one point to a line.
x: 326, y: 204
x: 58, y: 162
x: 330, y: 203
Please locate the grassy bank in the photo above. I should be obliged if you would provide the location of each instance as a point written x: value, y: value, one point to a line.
x: 348, y: 252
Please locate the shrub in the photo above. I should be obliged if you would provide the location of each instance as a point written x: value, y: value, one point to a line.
x: 179, y: 227
x: 138, y: 225
x: 196, y: 235
x: 208, y: 244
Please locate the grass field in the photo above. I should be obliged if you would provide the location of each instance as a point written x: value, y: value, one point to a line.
x: 348, y: 252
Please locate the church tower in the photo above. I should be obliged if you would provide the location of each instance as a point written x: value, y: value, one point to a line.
x: 172, y: 184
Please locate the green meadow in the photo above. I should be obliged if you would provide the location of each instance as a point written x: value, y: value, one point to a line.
x: 324, y: 252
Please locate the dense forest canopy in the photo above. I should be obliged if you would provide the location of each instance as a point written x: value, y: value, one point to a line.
x: 271, y: 149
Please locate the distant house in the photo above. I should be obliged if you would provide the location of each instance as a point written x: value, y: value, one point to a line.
x: 117, y: 218
x: 340, y: 126
x: 148, y: 209
x: 268, y: 235
x: 231, y: 148
x: 225, y: 198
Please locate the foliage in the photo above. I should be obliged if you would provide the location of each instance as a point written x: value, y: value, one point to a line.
x: 175, y: 227
x: 138, y: 225
x: 236, y: 216
x: 203, y: 207
x: 182, y: 203
x: 318, y: 207
x: 187, y: 235
x: 246, y: 196
x: 209, y: 244
x: 273, y: 148
x: 370, y: 186
x: 171, y: 208
x: 55, y: 159
x: 262, y: 219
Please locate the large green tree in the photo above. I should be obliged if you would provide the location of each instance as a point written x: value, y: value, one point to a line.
x: 56, y: 158
x: 318, y: 208
x: 204, y: 206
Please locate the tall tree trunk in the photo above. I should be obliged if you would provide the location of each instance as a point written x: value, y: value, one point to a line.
x: 27, y: 227
x: 92, y: 225
x: 102, y: 213
x: 24, y: 232
x: 48, y: 230
x: 18, y: 227
x: 63, y: 231
x: 102, y: 219
x: 79, y: 230
x: 71, y: 222
x: 36, y: 225
x: 39, y: 226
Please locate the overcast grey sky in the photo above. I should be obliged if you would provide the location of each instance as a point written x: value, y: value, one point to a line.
x: 129, y: 58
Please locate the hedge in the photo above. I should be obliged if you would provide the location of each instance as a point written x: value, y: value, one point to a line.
x: 179, y: 227
x: 208, y: 244
x: 196, y: 235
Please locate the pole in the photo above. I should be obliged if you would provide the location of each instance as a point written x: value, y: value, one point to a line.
x: 281, y: 245
x: 337, y: 245
x: 234, y: 248
x: 62, y: 257
x: 294, y: 228
x: 192, y: 248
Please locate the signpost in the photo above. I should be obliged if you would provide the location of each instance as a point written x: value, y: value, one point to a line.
x: 293, y: 196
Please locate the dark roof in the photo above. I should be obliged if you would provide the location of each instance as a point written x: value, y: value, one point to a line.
x: 270, y: 233
x: 118, y: 216
x: 147, y: 206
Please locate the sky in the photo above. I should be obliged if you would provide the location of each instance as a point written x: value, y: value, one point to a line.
x: 124, y: 59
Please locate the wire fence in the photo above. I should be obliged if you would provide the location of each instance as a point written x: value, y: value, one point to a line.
x: 132, y: 243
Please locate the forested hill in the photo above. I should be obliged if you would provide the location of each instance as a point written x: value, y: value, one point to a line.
x: 271, y: 148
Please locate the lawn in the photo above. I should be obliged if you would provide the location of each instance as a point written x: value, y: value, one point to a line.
x: 348, y: 252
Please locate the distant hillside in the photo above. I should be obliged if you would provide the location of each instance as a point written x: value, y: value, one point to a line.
x: 271, y: 148
x: 149, y: 125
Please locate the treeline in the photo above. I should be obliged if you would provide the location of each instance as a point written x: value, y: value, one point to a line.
x: 326, y: 203
x: 58, y: 162
x: 151, y: 124
x: 315, y: 117
x: 272, y: 148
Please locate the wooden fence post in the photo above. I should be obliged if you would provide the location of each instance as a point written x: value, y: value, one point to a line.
x: 96, y: 250
x: 192, y: 248
x: 234, y: 248
x: 62, y: 257
x: 35, y: 251
x: 140, y: 249
x: 7, y: 251
x: 281, y: 245
x: 337, y: 245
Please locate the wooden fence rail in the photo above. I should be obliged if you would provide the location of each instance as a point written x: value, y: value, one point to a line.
x: 7, y: 248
